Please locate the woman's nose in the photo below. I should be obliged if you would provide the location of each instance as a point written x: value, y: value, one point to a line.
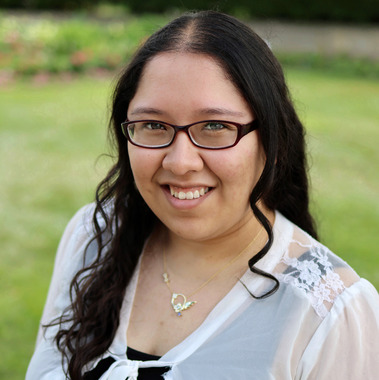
x: 182, y: 156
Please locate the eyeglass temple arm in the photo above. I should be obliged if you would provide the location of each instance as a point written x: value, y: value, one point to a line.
x: 249, y: 127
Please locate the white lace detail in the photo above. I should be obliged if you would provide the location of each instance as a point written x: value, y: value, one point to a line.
x: 314, y: 274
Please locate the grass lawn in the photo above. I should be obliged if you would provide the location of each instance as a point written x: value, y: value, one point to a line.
x: 51, y: 136
x: 342, y: 116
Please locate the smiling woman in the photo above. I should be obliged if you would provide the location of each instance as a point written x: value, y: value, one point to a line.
x: 201, y: 262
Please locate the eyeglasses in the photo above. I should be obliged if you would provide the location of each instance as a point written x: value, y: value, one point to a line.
x: 208, y: 134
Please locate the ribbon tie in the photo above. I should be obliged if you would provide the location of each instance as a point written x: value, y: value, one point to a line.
x: 122, y: 370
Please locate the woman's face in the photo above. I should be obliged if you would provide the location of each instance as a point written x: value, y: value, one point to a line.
x: 182, y: 88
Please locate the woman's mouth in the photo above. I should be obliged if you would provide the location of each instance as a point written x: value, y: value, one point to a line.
x: 182, y: 194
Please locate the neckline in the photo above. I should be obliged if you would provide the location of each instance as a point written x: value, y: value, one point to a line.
x: 139, y: 355
x: 235, y: 301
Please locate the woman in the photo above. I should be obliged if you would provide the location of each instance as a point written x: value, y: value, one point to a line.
x: 201, y: 262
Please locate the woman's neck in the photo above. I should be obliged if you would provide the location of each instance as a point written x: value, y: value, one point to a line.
x: 185, y: 256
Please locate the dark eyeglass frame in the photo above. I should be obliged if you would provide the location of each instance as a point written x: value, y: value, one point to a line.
x: 242, y: 130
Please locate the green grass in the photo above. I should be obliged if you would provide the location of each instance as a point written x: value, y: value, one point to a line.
x: 342, y: 116
x: 51, y: 135
x: 49, y: 139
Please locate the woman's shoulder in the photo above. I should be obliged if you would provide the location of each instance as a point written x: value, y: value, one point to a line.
x: 82, y: 218
x: 79, y: 234
x: 313, y: 269
x: 81, y: 225
x: 70, y: 258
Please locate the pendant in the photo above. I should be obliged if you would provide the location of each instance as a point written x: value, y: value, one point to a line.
x: 179, y: 307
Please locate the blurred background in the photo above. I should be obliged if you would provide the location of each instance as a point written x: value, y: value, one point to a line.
x: 59, y: 61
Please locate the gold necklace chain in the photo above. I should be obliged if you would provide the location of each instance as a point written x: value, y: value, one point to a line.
x: 184, y: 305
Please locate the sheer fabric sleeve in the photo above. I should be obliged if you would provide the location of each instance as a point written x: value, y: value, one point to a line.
x: 70, y: 250
x: 46, y: 362
x: 346, y: 344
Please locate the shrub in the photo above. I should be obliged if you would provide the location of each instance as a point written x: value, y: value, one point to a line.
x: 30, y: 45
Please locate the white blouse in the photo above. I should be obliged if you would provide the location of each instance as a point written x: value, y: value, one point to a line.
x: 322, y: 323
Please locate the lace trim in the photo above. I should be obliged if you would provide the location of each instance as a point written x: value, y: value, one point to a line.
x: 314, y: 274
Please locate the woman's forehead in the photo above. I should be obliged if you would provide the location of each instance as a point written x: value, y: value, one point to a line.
x: 187, y: 81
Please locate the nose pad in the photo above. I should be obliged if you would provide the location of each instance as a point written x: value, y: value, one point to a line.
x: 182, y: 156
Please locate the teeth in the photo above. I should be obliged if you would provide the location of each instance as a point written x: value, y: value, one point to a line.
x: 189, y: 194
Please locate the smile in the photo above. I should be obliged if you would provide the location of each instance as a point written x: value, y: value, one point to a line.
x: 192, y: 194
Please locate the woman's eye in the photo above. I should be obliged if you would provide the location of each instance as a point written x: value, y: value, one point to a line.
x: 154, y: 126
x: 215, y: 126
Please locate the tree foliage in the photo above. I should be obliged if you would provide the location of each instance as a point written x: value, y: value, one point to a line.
x: 364, y: 11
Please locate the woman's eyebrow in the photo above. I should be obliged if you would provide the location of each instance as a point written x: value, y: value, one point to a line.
x: 209, y: 111
x: 220, y: 111
x: 147, y: 111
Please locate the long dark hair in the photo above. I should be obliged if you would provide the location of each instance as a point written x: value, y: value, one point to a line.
x: 98, y: 289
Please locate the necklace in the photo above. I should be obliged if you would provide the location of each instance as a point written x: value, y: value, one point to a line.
x: 178, y: 306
